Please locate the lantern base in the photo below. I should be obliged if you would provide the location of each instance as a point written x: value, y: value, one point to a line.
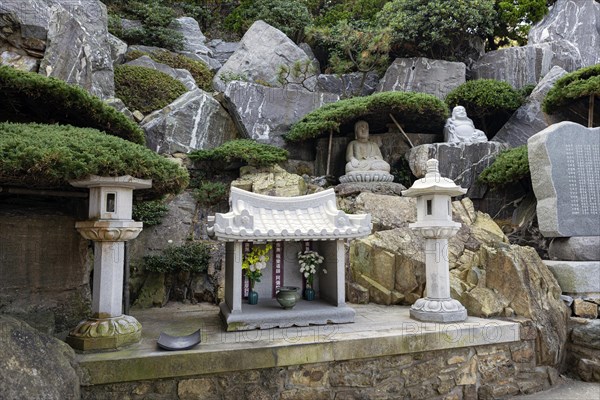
x: 438, y: 310
x: 105, y: 333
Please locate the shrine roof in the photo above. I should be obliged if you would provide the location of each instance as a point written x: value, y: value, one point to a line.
x: 311, y: 217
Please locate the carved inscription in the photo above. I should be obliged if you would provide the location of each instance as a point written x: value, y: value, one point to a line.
x: 583, y: 173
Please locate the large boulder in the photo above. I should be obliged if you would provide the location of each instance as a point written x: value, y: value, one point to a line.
x: 487, y: 274
x: 272, y: 181
x: 222, y: 50
x: 348, y: 85
x: 118, y: 49
x: 181, y: 75
x: 194, y: 41
x: 577, y: 21
x: 529, y: 119
x: 424, y: 75
x: 70, y: 39
x: 265, y: 113
x: 261, y: 52
x: 35, y: 365
x: 193, y: 121
x: 461, y: 162
x: 524, y: 65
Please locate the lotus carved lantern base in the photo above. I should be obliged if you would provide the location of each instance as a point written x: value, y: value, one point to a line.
x: 438, y: 310
x: 105, y: 333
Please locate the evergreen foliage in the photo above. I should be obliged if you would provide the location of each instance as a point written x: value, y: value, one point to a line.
x: 31, y: 97
x: 418, y: 112
x: 36, y: 155
x: 289, y: 16
x: 246, y: 150
x: 210, y: 193
x: 584, y: 82
x: 510, y: 166
x: 149, y: 212
x: 514, y: 19
x: 489, y: 102
x: 439, y: 29
x: 189, y: 257
x: 146, y: 89
x: 199, y: 70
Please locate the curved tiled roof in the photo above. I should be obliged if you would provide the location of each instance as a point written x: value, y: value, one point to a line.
x: 311, y: 217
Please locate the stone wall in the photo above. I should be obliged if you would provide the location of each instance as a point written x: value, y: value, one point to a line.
x: 44, y: 263
x: 483, y: 372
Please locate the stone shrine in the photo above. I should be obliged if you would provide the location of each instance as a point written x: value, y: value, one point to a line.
x: 364, y: 160
x: 564, y: 160
x: 460, y: 129
x: 289, y: 225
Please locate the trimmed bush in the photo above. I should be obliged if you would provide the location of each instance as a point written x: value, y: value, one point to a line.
x: 582, y: 83
x: 200, y: 71
x: 510, y: 166
x: 489, y: 102
x: 210, y: 193
x: 245, y: 150
x: 418, y: 112
x: 30, y: 97
x: 192, y: 257
x: 146, y: 89
x: 36, y: 155
x: 149, y: 212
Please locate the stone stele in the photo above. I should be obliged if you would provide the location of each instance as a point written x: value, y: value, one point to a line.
x: 564, y: 160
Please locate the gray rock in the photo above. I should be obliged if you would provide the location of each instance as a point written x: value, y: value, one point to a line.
x: 577, y: 248
x: 118, y: 105
x: 193, y: 38
x: 348, y: 85
x: 461, y: 162
x: 212, y: 63
x: 308, y: 50
x: 564, y: 160
x: 181, y: 75
x: 222, y: 50
x: 118, y: 49
x: 577, y: 21
x: 129, y: 24
x: 387, y: 212
x: 380, y: 188
x: 264, y: 114
x: 576, y: 278
x: 194, y: 121
x: 587, y: 335
x: 18, y: 60
x: 71, y: 38
x: 424, y: 75
x: 524, y: 65
x: 529, y: 119
x: 35, y: 365
x: 262, y: 50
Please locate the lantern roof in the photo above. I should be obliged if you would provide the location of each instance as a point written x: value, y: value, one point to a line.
x: 433, y: 183
x: 255, y: 217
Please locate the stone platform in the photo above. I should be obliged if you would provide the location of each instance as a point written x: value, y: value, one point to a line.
x: 577, y: 278
x: 379, y: 331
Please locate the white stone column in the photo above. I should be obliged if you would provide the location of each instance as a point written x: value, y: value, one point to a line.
x: 107, y: 297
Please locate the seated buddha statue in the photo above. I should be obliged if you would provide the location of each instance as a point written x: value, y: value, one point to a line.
x: 460, y: 128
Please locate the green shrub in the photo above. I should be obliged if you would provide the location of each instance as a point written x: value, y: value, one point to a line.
x: 440, y: 29
x: 290, y: 17
x: 146, y: 89
x: 192, y: 257
x: 514, y: 19
x: 489, y: 102
x: 582, y: 83
x: 36, y: 155
x: 149, y: 212
x: 30, y: 97
x: 155, y: 18
x: 245, y: 150
x: 200, y: 71
x: 510, y: 166
x: 210, y: 193
x: 332, y: 12
x: 418, y: 112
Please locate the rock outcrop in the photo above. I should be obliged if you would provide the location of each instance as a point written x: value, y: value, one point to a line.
x: 577, y: 21
x: 193, y: 121
x: 529, y: 119
x: 181, y: 75
x: 348, y: 85
x: 194, y: 41
x: 524, y: 65
x: 488, y: 275
x: 424, y: 75
x: 261, y: 52
x: 35, y: 365
x: 71, y: 39
x: 272, y: 181
x: 265, y: 113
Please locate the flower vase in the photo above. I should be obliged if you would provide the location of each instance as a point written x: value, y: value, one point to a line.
x: 252, y: 297
x: 309, y: 294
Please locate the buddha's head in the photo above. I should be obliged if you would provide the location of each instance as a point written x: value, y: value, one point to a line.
x: 459, y: 112
x: 361, y: 130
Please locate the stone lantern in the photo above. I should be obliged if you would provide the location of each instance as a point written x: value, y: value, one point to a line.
x: 435, y: 225
x: 109, y: 225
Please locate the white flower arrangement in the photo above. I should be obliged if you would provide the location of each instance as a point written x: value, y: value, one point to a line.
x: 310, y: 261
